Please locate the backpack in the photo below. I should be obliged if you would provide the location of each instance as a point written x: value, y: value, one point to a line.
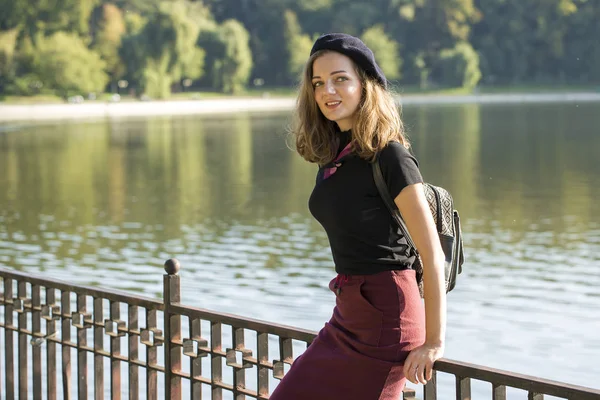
x: 447, y: 222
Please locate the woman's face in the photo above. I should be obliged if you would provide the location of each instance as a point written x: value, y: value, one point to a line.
x: 337, y: 88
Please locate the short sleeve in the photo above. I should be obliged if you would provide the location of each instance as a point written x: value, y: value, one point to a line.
x: 399, y: 168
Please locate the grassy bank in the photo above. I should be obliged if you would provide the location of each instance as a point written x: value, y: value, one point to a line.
x: 407, y: 90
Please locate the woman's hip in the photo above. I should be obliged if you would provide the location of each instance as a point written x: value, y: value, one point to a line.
x: 383, y: 309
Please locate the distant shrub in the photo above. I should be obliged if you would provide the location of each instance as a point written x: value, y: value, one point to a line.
x: 63, y: 63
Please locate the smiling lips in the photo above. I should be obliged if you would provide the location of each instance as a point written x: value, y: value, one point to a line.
x: 332, y: 104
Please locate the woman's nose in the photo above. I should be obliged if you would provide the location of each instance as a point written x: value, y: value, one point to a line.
x: 329, y: 88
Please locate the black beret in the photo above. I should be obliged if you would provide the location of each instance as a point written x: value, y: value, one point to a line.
x: 353, y: 48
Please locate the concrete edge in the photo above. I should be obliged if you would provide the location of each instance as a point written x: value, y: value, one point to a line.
x: 40, y: 112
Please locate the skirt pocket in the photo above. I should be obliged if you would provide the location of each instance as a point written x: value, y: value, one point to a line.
x: 356, y: 315
x: 382, y: 294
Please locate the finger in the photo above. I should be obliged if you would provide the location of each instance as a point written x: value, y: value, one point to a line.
x: 407, y: 373
x: 412, y: 375
x: 408, y: 367
x: 411, y: 372
x: 429, y: 371
x: 421, y: 374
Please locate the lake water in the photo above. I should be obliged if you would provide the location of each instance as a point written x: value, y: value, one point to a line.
x: 106, y: 202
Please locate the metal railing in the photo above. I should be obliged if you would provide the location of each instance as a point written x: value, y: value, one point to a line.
x: 189, y: 334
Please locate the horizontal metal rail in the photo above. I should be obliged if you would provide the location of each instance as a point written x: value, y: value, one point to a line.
x: 500, y: 380
x: 115, y: 295
x: 288, y: 332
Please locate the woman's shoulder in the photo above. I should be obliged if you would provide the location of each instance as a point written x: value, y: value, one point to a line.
x: 398, y: 167
x: 395, y: 151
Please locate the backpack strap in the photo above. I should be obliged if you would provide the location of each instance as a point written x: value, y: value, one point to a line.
x: 389, y: 202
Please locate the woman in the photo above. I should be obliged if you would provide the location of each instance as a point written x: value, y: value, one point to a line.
x: 379, y: 334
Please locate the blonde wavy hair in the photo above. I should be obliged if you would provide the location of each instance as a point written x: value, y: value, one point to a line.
x: 377, y: 120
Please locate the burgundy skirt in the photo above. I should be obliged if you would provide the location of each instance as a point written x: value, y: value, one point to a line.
x: 359, y: 354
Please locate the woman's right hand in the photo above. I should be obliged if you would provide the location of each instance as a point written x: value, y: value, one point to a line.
x: 418, y: 367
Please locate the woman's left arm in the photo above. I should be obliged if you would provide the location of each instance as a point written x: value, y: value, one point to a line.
x: 416, y: 214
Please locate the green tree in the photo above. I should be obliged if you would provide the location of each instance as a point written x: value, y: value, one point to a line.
x: 8, y: 41
x: 156, y: 77
x: 137, y: 6
x: 265, y: 25
x: 34, y: 16
x: 298, y: 45
x: 432, y: 25
x: 134, y: 23
x: 155, y: 44
x: 80, y: 14
x: 24, y: 82
x: 211, y: 41
x: 108, y: 28
x: 385, y: 51
x: 63, y: 63
x: 523, y: 41
x: 352, y: 17
x: 315, y: 5
x: 458, y: 67
x: 12, y: 14
x: 189, y: 18
x: 443, y: 23
x: 582, y: 55
x: 165, y: 50
x: 231, y: 71
x: 151, y: 56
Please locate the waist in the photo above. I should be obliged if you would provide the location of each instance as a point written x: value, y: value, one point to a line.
x: 379, y: 280
x: 371, y: 268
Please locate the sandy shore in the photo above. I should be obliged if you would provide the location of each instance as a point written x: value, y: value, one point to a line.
x: 37, y: 112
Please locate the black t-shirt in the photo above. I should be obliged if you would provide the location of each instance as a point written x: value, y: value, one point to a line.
x: 364, y: 238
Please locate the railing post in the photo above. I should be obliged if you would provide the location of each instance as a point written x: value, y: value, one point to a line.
x: 463, y: 388
x: 65, y: 312
x: 51, y: 331
x: 172, y: 328
x: 9, y: 362
x: 430, y: 389
x: 98, y: 347
x: 22, y: 321
x: 36, y: 324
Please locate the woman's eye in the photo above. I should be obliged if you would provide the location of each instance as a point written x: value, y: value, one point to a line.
x: 341, y: 79
x: 317, y: 84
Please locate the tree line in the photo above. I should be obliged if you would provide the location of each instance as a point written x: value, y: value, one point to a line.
x: 156, y: 47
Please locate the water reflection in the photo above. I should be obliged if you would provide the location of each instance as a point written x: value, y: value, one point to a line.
x: 104, y: 202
